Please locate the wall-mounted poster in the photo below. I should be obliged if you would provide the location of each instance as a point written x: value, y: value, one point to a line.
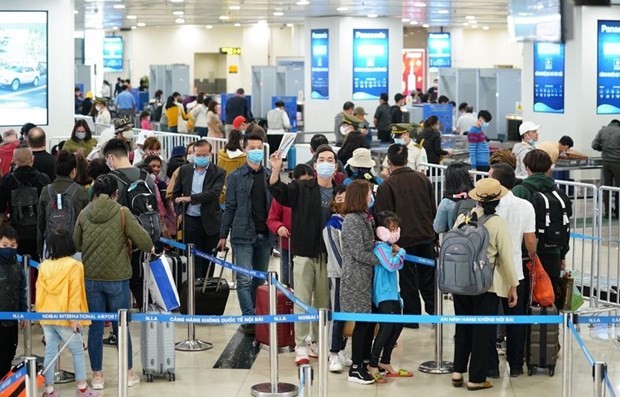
x: 370, y: 63
x: 319, y: 72
x: 608, y: 68
x: 439, y: 50
x: 414, y: 70
x: 113, y: 54
x: 549, y: 77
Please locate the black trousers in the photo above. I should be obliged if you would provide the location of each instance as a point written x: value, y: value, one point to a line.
x: 196, y: 234
x: 8, y: 347
x: 418, y: 279
x: 274, y: 142
x: 611, y: 177
x: 28, y: 246
x: 136, y: 283
x: 385, y: 136
x: 388, y: 334
x: 361, y: 342
x: 472, y: 340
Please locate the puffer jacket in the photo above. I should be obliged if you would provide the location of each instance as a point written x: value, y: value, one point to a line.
x: 100, y: 237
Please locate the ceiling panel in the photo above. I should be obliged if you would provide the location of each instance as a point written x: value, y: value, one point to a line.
x: 108, y: 14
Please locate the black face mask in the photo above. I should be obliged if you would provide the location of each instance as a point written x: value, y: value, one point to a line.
x: 8, y: 254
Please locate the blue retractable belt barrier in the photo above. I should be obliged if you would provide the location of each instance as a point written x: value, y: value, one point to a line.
x: 280, y: 318
x: 598, y: 319
x: 420, y: 260
x: 58, y: 316
x: 32, y: 263
x: 231, y: 266
x: 173, y: 243
x: 304, y: 306
x: 410, y: 318
x: 581, y: 344
x: 13, y: 378
x: 610, y: 387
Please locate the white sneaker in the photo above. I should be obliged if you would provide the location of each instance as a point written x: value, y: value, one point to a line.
x: 97, y: 383
x: 334, y: 363
x: 133, y: 379
x: 344, y: 358
x: 313, y: 350
x: 301, y: 355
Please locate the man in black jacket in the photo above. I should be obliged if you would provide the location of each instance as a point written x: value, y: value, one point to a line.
x: 245, y: 217
x: 382, y: 119
x: 43, y: 161
x: 198, y: 187
x: 236, y: 105
x: 409, y: 194
x: 310, y: 202
x: 396, y: 113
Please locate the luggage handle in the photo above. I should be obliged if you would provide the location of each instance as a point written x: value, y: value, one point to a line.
x: 219, y: 280
x: 51, y: 363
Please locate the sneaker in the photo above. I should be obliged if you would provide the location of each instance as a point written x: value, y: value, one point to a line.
x: 86, y: 393
x: 133, y: 379
x: 334, y: 363
x: 97, y: 383
x: 360, y: 376
x: 248, y: 329
x: 110, y: 340
x: 516, y: 372
x: 313, y: 350
x: 301, y: 355
x: 55, y: 393
x: 344, y: 358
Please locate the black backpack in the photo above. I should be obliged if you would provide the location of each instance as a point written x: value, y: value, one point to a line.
x: 141, y: 200
x: 24, y: 201
x: 60, y: 212
x: 553, y: 210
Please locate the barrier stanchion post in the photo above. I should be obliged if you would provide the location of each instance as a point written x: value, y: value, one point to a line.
x: 305, y: 380
x: 28, y: 329
x: 567, y: 357
x: 123, y: 352
x: 323, y: 351
x: 31, y: 377
x: 191, y: 344
x: 437, y: 366
x: 599, y: 370
x: 274, y: 387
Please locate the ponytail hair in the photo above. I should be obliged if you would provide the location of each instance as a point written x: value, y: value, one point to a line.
x: 105, y: 184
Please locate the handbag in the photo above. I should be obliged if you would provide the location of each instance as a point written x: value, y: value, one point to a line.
x: 570, y: 297
x: 161, y: 284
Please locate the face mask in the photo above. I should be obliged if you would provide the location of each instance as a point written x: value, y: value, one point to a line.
x: 325, y: 170
x: 399, y: 141
x: 190, y: 158
x: 98, y: 108
x: 372, y: 201
x: 202, y: 162
x: 484, y: 126
x: 256, y: 156
x: 8, y: 254
x: 532, y: 142
x: 80, y: 135
x: 385, y: 235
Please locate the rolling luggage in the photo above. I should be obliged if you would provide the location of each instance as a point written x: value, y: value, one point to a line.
x: 542, y: 340
x: 210, y: 294
x: 157, y: 345
x: 286, y: 331
x: 179, y: 268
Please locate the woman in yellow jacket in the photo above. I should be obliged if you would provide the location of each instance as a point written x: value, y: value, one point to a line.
x: 60, y: 289
x: 173, y: 110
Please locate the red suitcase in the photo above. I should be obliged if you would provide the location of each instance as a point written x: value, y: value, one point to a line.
x: 286, y: 331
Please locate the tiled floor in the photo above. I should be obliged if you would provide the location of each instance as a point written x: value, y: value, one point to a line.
x: 195, y: 375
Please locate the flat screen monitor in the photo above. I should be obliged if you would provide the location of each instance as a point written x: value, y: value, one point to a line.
x: 113, y: 54
x: 535, y: 20
x: 23, y: 68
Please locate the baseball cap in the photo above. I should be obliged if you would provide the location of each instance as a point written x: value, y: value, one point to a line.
x: 527, y: 126
x: 238, y: 121
x: 359, y: 110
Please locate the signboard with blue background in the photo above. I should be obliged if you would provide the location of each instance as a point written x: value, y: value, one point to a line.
x: 319, y: 72
x: 439, y: 50
x: 608, y: 68
x: 549, y: 77
x: 113, y: 54
x: 370, y: 63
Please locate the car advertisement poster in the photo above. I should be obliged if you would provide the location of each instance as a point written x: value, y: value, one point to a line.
x: 112, y: 54
x: 370, y: 63
x: 439, y: 50
x: 608, y: 68
x: 414, y: 70
x: 23, y: 68
x: 549, y: 77
x: 319, y: 74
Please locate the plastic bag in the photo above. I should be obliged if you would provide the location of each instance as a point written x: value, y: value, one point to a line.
x: 542, y: 289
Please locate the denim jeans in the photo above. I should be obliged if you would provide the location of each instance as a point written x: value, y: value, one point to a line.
x: 105, y: 297
x: 55, y: 337
x: 251, y: 256
x: 202, y: 131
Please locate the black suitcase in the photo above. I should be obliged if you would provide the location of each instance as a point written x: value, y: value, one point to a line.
x: 210, y: 295
x: 179, y: 268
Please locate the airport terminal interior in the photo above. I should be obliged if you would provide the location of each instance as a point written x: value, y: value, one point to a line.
x: 546, y: 71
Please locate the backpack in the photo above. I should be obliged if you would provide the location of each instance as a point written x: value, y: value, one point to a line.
x: 552, y: 217
x: 24, y: 200
x: 60, y: 211
x: 463, y: 207
x: 463, y: 266
x: 141, y: 201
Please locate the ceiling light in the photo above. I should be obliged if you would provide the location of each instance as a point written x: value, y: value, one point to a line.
x: 234, y: 7
x: 261, y: 21
x: 237, y: 25
x: 114, y: 27
x: 405, y: 19
x: 178, y: 12
x: 419, y: 4
x: 372, y: 15
x: 474, y: 26
x: 303, y: 3
x: 341, y: 9
x: 224, y: 17
x: 118, y: 6
x: 134, y: 27
x: 278, y: 14
x: 179, y: 20
x: 141, y: 24
x: 76, y: 12
x: 443, y: 11
x: 485, y: 28
x: 413, y: 22
x: 289, y: 25
x: 465, y: 23
x: 209, y: 26
x: 426, y: 25
x: 176, y: 1
x: 278, y: 8
x: 470, y: 17
x: 132, y: 17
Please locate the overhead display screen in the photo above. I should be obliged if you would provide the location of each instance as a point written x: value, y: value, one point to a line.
x: 439, y: 50
x: 113, y: 54
x: 370, y: 63
x: 319, y: 74
x: 608, y: 68
x: 23, y: 68
x: 549, y: 77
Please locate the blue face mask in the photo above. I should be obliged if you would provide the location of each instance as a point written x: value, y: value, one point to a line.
x: 201, y: 162
x: 399, y: 141
x: 325, y: 170
x: 484, y: 126
x: 256, y: 156
x: 372, y: 201
x: 8, y: 254
x: 532, y: 142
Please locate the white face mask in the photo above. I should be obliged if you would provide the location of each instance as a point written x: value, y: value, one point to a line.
x: 190, y: 158
x: 98, y: 107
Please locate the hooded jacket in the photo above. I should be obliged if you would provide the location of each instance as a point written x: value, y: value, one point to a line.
x: 101, y: 239
x: 60, y: 288
x: 6, y: 155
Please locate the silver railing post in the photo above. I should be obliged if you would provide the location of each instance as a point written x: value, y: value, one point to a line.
x: 123, y: 353
x: 567, y: 357
x: 305, y: 380
x: 599, y: 370
x: 323, y: 351
x: 191, y: 344
x: 31, y: 377
x: 274, y: 387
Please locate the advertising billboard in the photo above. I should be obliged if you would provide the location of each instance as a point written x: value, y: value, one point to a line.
x: 414, y: 70
x: 608, y: 68
x: 549, y: 77
x: 439, y: 50
x: 319, y: 72
x: 112, y: 54
x: 370, y: 63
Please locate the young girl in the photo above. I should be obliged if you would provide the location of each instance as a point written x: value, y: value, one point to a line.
x: 145, y: 120
x: 60, y: 288
x: 386, y: 296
